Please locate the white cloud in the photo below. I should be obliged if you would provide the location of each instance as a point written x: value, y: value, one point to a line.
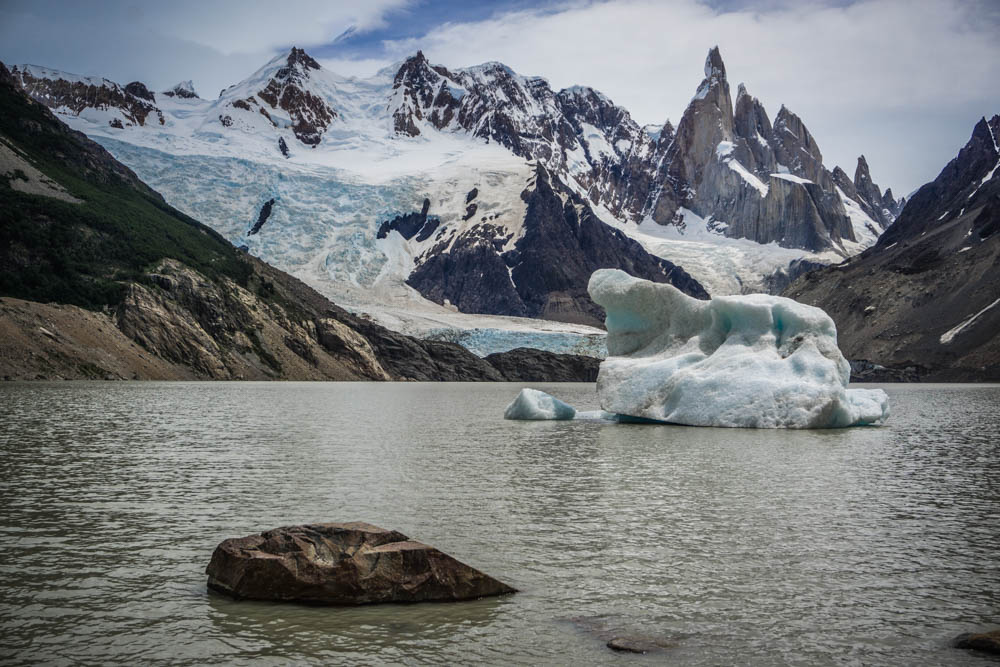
x: 234, y: 26
x: 214, y: 43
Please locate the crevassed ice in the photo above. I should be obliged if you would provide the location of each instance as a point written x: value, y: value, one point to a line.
x: 753, y: 361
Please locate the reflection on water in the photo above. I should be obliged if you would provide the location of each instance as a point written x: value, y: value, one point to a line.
x: 860, y: 546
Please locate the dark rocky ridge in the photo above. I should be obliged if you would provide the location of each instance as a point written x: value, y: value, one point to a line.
x: 925, y: 297
x: 134, y: 101
x: 183, y: 90
x: 409, y: 225
x: 525, y: 364
x: 139, y: 89
x: 474, y: 272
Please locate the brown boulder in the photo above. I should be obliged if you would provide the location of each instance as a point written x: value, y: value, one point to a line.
x: 343, y: 564
x: 987, y: 642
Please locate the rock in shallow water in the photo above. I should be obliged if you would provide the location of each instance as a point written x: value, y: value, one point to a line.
x: 753, y: 361
x: 343, y: 564
x: 987, y: 642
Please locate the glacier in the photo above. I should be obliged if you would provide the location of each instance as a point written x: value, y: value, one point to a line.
x: 751, y: 361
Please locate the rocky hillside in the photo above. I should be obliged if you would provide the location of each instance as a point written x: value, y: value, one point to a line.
x: 100, y: 278
x: 927, y: 296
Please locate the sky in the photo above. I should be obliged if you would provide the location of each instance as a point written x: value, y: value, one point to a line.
x: 901, y: 81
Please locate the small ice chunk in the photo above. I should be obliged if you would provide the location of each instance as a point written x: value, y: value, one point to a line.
x: 532, y: 404
x: 752, y: 361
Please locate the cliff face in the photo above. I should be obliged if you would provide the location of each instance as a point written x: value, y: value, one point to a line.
x: 761, y: 181
x: 927, y: 295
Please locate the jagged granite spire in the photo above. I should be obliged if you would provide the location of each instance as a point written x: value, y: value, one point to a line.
x: 870, y: 195
x: 707, y: 121
x: 750, y: 122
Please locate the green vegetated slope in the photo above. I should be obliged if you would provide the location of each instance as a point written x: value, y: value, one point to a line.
x: 83, y: 254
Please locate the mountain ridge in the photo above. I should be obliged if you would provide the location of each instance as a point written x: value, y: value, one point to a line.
x: 375, y: 147
x: 926, y: 296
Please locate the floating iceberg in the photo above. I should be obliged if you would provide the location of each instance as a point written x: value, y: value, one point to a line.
x: 533, y: 405
x: 753, y: 361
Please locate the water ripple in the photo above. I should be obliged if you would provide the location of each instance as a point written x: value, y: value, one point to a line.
x: 854, y: 547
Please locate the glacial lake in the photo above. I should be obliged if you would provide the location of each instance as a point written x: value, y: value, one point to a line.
x: 852, y: 547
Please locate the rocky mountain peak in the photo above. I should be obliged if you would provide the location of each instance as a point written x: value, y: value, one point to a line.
x: 870, y: 196
x: 795, y: 147
x: 964, y: 194
x: 844, y: 182
x: 184, y: 89
x: 707, y: 121
x: 298, y: 57
x: 140, y: 90
x: 422, y: 92
x: 750, y: 118
x: 714, y: 67
x: 862, y: 175
x: 289, y: 89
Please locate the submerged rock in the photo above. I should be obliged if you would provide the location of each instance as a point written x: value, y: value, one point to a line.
x: 638, y: 645
x: 618, y: 637
x: 753, y: 361
x: 987, y: 642
x: 343, y: 564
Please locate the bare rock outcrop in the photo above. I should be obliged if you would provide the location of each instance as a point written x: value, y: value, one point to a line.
x: 343, y: 564
x: 756, y: 180
x: 287, y: 90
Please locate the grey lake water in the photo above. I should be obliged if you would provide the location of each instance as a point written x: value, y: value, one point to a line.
x: 864, y: 546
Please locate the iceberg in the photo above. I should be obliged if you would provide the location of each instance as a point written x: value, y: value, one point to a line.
x: 532, y: 404
x: 751, y: 361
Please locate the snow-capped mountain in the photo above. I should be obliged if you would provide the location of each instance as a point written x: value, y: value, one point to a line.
x: 315, y: 164
x: 91, y: 99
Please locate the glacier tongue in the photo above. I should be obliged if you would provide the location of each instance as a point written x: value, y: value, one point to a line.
x: 753, y: 361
